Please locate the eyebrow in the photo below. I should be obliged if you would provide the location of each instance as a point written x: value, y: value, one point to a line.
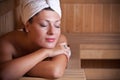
x: 55, y: 21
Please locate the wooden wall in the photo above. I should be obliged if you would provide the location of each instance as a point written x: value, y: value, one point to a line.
x: 6, y: 16
x: 91, y: 16
x: 88, y: 23
x: 79, y: 16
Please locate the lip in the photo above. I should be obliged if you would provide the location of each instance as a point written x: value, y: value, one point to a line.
x: 50, y: 39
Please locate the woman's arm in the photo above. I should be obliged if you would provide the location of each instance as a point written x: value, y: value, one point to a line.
x: 50, y: 69
x: 53, y: 68
x: 12, y: 69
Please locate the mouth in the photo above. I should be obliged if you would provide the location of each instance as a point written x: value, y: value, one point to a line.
x: 50, y: 39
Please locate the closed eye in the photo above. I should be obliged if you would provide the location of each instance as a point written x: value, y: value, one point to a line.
x: 57, y: 26
x: 43, y: 25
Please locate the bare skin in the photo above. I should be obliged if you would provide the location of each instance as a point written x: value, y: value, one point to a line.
x: 26, y: 52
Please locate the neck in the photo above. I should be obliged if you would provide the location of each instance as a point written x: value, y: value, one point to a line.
x: 28, y: 45
x: 31, y: 47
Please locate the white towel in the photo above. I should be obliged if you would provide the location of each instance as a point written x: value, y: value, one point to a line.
x: 30, y: 7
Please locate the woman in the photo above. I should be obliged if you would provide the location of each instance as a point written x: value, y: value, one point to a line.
x: 40, y: 50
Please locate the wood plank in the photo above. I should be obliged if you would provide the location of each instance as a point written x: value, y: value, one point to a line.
x: 93, y: 38
x: 91, y: 1
x: 102, y: 74
x: 87, y: 19
x: 99, y: 51
x: 69, y: 18
x: 75, y: 73
x: 106, y: 18
x: 63, y: 22
x: 78, y: 18
x: 115, y: 11
x: 99, y: 54
x: 29, y: 78
x: 69, y: 75
x: 99, y: 46
x: 98, y: 18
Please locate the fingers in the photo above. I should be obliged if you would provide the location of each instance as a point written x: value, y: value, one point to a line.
x: 66, y: 49
x: 61, y: 49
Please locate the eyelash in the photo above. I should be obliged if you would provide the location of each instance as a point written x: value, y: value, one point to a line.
x: 42, y: 25
x: 57, y: 26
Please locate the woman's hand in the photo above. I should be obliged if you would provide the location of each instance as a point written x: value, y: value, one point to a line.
x: 66, y: 49
x: 60, y: 49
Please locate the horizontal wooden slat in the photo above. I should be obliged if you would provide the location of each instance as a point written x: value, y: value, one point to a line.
x: 71, y: 78
x: 99, y: 54
x: 102, y: 74
x: 99, y: 46
x: 93, y: 38
x: 90, y: 1
x: 99, y: 51
x: 75, y: 73
x: 69, y: 75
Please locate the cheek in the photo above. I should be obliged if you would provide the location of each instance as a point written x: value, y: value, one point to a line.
x: 58, y: 31
x: 40, y: 32
x: 58, y: 35
x: 38, y: 35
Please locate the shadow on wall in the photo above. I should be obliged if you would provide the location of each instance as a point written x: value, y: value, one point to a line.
x: 6, y: 16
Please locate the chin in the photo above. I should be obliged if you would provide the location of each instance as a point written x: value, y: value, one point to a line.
x: 50, y: 46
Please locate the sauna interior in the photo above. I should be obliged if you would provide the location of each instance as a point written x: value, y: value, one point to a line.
x: 92, y: 28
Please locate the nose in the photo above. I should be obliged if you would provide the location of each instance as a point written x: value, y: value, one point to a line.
x: 50, y: 30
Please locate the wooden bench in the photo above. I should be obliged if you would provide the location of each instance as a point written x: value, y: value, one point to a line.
x: 98, y: 61
x: 102, y: 74
x: 69, y: 75
x: 99, y: 51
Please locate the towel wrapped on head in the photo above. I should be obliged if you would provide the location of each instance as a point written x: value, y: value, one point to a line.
x: 31, y: 7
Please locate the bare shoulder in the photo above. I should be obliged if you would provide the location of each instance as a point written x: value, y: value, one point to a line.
x: 8, y: 37
x: 6, y: 47
x: 11, y: 37
x: 4, y: 39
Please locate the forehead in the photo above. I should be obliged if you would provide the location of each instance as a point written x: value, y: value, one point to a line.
x: 47, y: 15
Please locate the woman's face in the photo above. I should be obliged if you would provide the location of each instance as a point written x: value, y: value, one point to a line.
x: 44, y: 31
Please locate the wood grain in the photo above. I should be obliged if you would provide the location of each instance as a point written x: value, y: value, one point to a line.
x: 91, y: 18
x: 99, y: 51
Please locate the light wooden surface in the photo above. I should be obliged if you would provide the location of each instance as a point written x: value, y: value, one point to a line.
x: 69, y: 75
x: 90, y: 1
x: 99, y: 51
x: 90, y: 16
x: 99, y: 54
x: 102, y: 74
